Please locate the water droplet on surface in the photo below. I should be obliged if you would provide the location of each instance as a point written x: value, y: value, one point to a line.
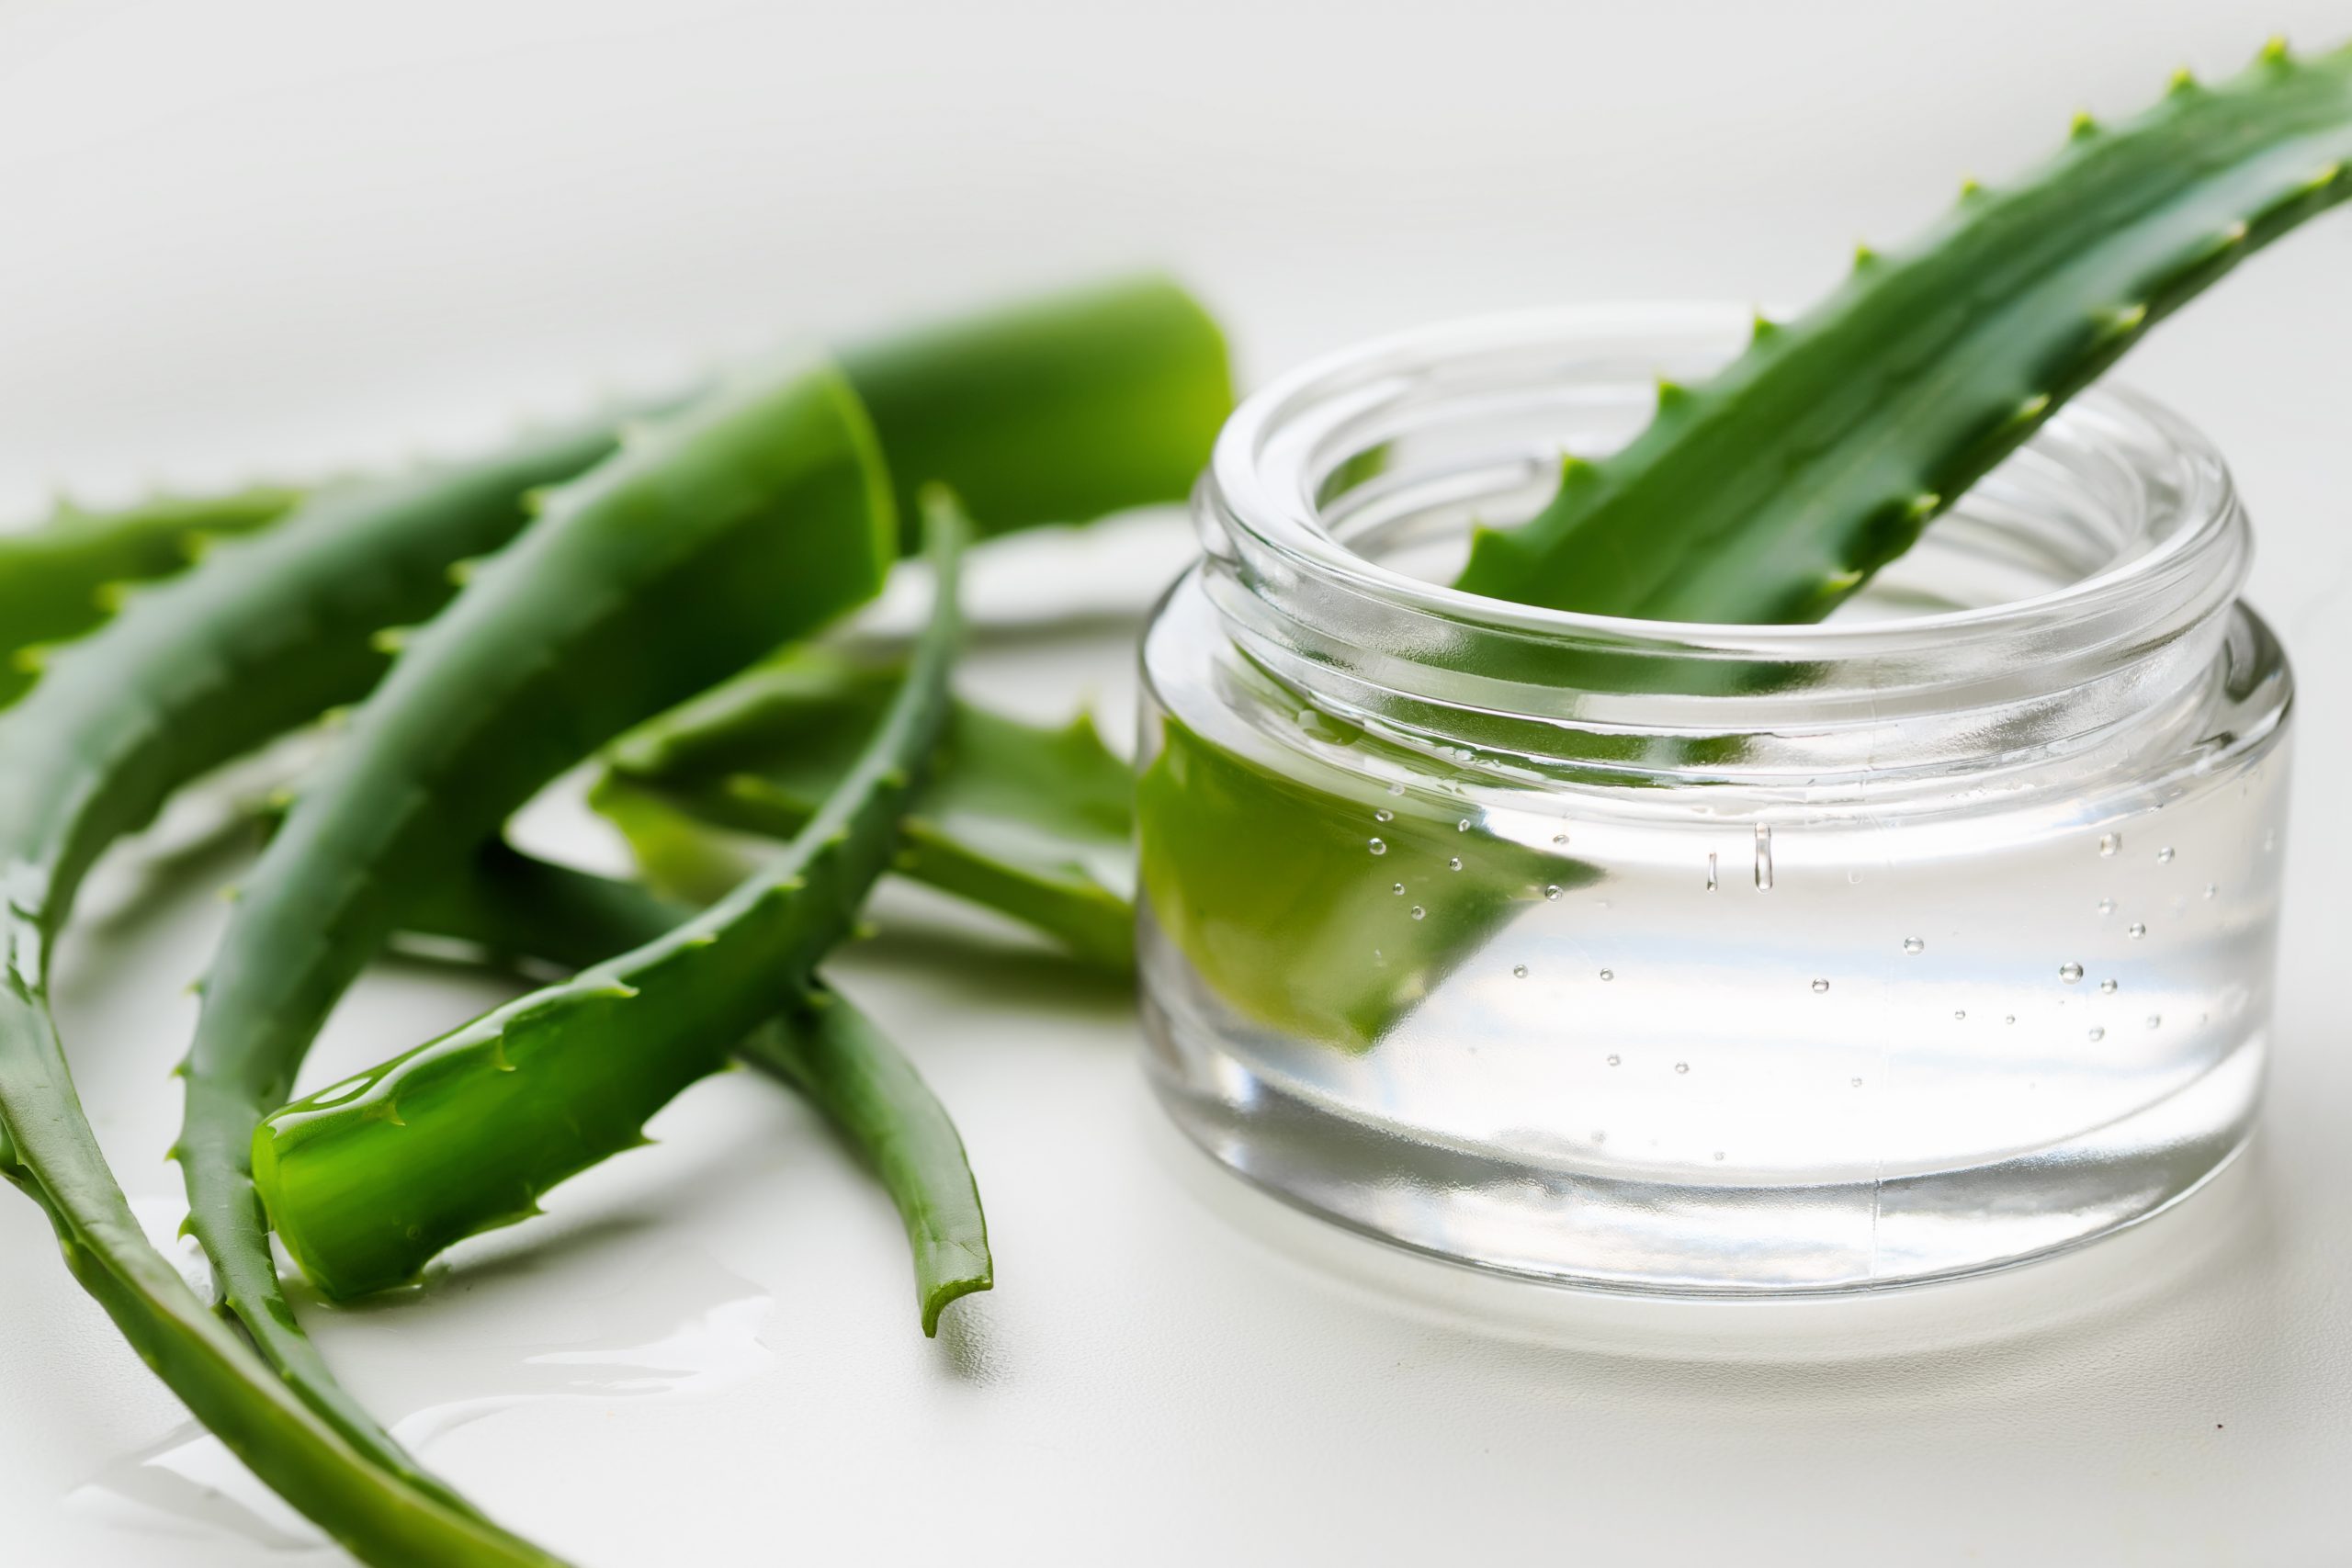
x: 1419, y: 913
x: 2097, y: 1034
x: 2106, y: 906
x: 1614, y: 1060
x: 1609, y: 975
x: 2110, y: 842
x: 2070, y: 973
x: 1856, y: 1082
x: 1396, y: 887
x: 1552, y: 894
x: 1599, y: 1136
x: 1383, y: 815
x: 1913, y: 945
x: 1819, y: 986
x: 1396, y: 789
x: 2211, y: 890
x: 1959, y: 1016
x: 1378, y: 847
x: 1519, y: 971
x: 1559, y: 837
x: 1681, y: 1066
x: 1455, y: 863
x: 1719, y: 1154
x: 2008, y: 1017
x: 2164, y: 856
x: 1462, y: 826
x: 1763, y: 857
x: 2135, y: 931
x: 2155, y: 1021
x: 1711, y: 872
x: 2106, y: 988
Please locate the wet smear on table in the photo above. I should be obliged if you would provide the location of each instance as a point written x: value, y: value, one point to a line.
x: 674, y: 1326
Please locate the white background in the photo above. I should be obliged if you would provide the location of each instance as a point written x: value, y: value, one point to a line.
x: 240, y: 240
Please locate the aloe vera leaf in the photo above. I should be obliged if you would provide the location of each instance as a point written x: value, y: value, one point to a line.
x: 377, y: 1514
x: 1035, y: 822
x: 368, y: 1179
x: 514, y: 906
x: 67, y: 575
x: 1312, y: 899
x: 260, y: 636
x: 851, y: 1071
x: 1775, y: 489
x: 1131, y: 378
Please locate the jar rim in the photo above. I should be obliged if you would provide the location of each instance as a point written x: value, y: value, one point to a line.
x: 1266, y: 488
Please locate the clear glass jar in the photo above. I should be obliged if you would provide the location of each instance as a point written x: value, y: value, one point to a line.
x: 1706, y: 958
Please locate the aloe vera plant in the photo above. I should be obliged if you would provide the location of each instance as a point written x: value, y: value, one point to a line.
x: 644, y: 582
x: 260, y: 636
x: 367, y: 1179
x: 1773, y: 491
x: 69, y: 574
x: 1032, y: 821
x: 513, y: 907
x: 503, y: 694
x: 758, y: 514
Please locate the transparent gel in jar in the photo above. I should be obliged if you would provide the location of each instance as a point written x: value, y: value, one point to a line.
x: 1704, y: 958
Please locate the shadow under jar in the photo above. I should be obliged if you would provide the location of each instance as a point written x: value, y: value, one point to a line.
x: 1704, y: 958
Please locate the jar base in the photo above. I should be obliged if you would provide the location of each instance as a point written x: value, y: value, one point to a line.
x: 1498, y: 1212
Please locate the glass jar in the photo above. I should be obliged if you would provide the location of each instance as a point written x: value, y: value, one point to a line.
x: 1706, y: 958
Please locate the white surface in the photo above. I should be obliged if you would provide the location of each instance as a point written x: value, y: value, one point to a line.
x: 253, y: 237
